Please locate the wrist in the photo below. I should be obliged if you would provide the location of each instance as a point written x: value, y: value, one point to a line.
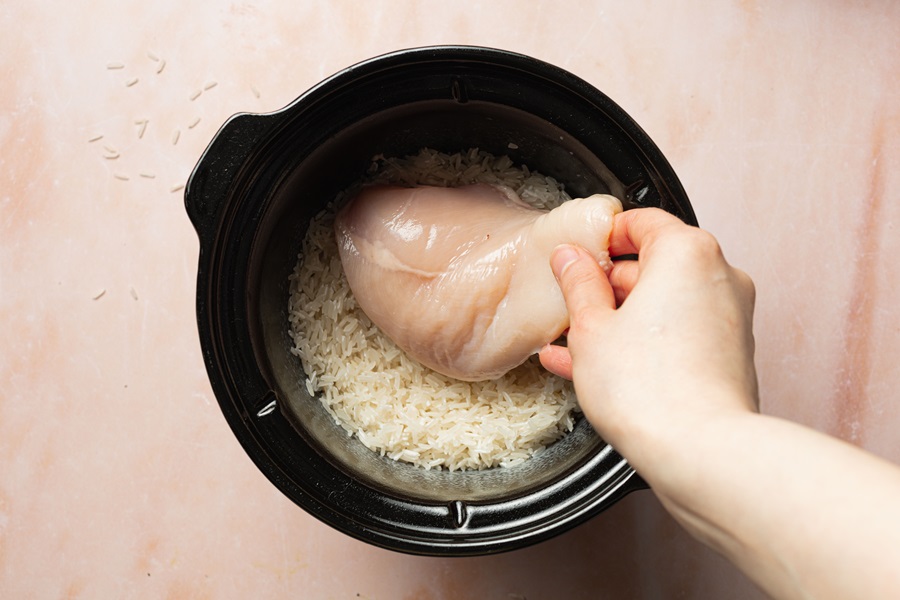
x: 665, y: 445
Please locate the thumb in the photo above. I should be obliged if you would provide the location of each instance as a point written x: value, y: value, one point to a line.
x: 584, y: 285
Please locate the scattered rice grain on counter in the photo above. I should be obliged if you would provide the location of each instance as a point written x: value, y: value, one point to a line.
x: 392, y: 404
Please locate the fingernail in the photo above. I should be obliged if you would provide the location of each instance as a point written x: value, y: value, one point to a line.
x: 563, y: 256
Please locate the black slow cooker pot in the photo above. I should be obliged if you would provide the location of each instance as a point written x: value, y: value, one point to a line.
x: 250, y: 198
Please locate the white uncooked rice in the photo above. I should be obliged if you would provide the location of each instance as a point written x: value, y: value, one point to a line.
x: 391, y: 403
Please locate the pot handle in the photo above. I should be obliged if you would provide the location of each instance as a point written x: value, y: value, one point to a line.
x: 207, y: 188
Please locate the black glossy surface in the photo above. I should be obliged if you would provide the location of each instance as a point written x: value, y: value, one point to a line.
x: 250, y: 198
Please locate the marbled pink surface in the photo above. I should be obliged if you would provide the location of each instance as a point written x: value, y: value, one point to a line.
x: 119, y: 478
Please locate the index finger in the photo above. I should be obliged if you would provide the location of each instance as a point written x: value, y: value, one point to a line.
x: 635, y: 228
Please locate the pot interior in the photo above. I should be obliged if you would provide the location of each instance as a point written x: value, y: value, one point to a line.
x: 308, y: 184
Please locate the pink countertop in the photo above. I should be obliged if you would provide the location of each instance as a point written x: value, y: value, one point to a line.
x: 119, y: 478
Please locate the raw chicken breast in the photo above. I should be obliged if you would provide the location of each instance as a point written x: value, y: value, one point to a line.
x: 460, y: 277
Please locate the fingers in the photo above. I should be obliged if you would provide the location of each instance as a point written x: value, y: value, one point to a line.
x: 583, y: 283
x: 586, y: 290
x: 623, y: 278
x: 557, y: 360
x: 634, y: 229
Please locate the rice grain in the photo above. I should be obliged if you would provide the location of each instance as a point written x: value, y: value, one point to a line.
x: 392, y: 404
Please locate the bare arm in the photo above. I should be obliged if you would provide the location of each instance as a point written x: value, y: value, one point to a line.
x: 668, y: 379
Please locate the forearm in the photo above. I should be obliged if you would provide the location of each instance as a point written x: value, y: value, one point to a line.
x: 781, y: 502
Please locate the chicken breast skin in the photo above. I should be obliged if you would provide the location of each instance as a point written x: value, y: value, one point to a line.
x: 460, y: 278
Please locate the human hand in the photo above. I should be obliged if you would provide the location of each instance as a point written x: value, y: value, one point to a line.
x: 668, y: 379
x: 678, y: 349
